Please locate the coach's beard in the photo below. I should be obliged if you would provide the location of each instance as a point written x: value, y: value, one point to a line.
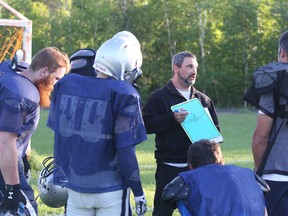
x: 45, y: 87
x: 187, y: 80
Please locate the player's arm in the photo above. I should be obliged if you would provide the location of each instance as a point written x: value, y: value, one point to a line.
x: 175, y: 190
x: 130, y: 169
x: 12, y: 196
x: 261, y: 138
x: 9, y: 157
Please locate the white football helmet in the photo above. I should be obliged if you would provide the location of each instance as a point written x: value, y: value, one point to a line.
x: 120, y: 57
x: 52, y: 195
x: 128, y: 35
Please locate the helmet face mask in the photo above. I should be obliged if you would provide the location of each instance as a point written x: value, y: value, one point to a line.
x: 120, y: 57
x: 54, y: 196
x: 132, y: 76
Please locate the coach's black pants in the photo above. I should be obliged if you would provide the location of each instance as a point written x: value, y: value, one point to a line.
x: 164, y: 174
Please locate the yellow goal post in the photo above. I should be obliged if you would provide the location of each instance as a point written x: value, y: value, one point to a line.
x: 15, y: 34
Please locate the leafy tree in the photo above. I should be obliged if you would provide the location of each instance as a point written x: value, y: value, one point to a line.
x: 230, y: 38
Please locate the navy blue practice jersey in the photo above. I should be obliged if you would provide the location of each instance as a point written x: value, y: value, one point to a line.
x: 19, y: 109
x: 223, y: 190
x: 92, y: 118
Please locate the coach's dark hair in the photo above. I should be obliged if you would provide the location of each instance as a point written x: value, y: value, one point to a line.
x: 178, y: 58
x: 283, y: 41
x: 202, y: 152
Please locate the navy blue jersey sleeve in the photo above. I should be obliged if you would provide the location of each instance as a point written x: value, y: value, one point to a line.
x: 129, y: 127
x: 10, y: 115
x: 18, y: 103
x: 129, y: 167
x: 11, y: 119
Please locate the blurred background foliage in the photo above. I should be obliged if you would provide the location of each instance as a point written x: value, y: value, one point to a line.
x: 231, y: 38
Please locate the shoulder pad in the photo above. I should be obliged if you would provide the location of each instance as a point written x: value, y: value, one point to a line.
x: 273, y: 67
x: 265, y: 77
x: 175, y: 190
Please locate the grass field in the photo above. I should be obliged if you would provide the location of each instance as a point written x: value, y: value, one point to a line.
x: 236, y: 128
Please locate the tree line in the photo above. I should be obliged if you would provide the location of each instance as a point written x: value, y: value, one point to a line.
x: 231, y: 38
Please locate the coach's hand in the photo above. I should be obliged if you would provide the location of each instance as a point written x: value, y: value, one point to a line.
x: 140, y: 205
x: 12, y: 197
x: 180, y: 115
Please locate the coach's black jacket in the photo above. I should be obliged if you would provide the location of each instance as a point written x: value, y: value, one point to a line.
x: 172, y: 143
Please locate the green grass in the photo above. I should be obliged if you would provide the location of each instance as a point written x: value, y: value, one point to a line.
x: 236, y: 128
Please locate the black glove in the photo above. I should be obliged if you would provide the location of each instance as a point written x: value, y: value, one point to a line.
x: 12, y: 198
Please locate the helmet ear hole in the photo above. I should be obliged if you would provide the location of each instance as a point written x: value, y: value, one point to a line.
x: 52, y: 195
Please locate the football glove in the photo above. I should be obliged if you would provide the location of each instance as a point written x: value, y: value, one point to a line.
x: 12, y: 198
x: 140, y: 205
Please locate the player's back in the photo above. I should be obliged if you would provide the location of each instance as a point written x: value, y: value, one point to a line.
x: 223, y: 190
x: 90, y: 116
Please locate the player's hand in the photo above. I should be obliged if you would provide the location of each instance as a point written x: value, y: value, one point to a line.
x: 180, y: 115
x: 12, y: 197
x: 140, y: 205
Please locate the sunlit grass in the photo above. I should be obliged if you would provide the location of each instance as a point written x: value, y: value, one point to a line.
x: 236, y: 128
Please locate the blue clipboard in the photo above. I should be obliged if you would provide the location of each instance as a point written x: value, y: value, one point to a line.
x: 198, y: 123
